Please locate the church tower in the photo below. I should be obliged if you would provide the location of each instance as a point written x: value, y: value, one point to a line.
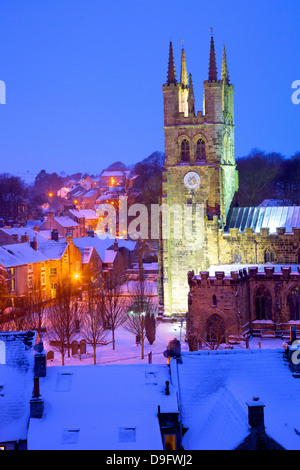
x: 199, y: 179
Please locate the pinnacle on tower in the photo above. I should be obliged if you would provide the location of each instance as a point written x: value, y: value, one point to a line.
x: 183, y: 74
x: 171, y: 78
x: 191, y: 96
x: 212, y: 71
x: 225, y: 74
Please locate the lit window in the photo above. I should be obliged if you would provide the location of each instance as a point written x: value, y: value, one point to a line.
x: 30, y: 268
x: 43, y: 279
x: 53, y: 271
x: 170, y: 442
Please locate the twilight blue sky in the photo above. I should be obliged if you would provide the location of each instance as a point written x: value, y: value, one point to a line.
x: 84, y: 77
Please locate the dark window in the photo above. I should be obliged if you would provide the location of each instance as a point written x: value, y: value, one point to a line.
x: 200, y: 150
x: 185, y: 151
x: 269, y: 256
x: 214, y: 299
x: 293, y: 301
x: 263, y: 304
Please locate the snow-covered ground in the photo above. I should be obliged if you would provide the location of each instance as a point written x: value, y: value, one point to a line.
x: 128, y: 352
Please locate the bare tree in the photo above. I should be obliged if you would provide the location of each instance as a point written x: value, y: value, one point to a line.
x: 140, y: 308
x: 114, y: 304
x: 92, y: 320
x: 205, y: 332
x: 62, y: 316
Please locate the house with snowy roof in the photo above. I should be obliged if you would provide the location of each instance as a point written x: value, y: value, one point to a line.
x: 89, y: 199
x: 86, y: 217
x: 63, y: 224
x: 238, y: 400
x: 16, y: 386
x: 23, y: 265
x: 19, y: 235
x: 116, y: 254
x: 123, y: 407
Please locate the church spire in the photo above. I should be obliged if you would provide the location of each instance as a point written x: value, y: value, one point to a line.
x: 225, y: 74
x: 183, y: 73
x: 212, y: 71
x: 191, y: 97
x: 171, y: 78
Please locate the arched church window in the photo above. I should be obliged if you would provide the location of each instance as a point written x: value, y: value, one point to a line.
x: 185, y: 151
x: 293, y: 302
x: 237, y: 256
x: 263, y: 304
x: 200, y: 150
x: 269, y: 256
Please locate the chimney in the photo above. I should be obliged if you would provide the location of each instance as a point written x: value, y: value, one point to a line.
x: 33, y: 244
x: 69, y: 236
x: 40, y: 360
x: 15, y: 238
x: 54, y: 235
x: 258, y: 437
x: 256, y: 413
x: 24, y: 238
x: 36, y: 403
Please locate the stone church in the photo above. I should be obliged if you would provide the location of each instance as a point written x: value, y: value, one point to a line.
x: 236, y: 267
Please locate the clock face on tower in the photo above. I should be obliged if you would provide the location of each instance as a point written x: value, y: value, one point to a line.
x: 192, y: 180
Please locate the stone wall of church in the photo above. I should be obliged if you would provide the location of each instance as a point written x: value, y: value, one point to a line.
x: 283, y: 247
x: 257, y: 303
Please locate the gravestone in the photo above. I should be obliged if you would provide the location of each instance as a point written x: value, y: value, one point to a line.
x: 50, y: 355
x: 82, y: 346
x: 74, y: 347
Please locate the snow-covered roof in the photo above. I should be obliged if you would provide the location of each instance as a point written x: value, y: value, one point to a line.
x: 16, y: 383
x: 66, y: 221
x: 86, y: 213
x: 112, y: 173
x: 89, y: 213
x: 91, y: 193
x: 21, y: 231
x: 86, y: 254
x: 102, y: 407
x: 110, y: 256
x: 100, y: 244
x: 263, y: 217
x: 228, y: 268
x: 18, y: 254
x: 52, y: 249
x: 215, y: 386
